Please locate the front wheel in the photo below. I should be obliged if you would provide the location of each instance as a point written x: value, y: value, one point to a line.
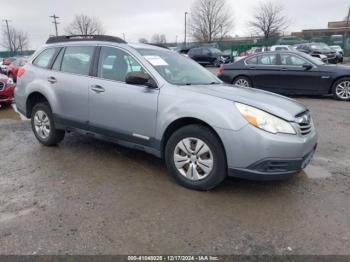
x: 341, y: 89
x: 196, y: 158
x: 43, y: 125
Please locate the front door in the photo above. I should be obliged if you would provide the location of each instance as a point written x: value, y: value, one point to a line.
x: 295, y: 79
x: 119, y: 109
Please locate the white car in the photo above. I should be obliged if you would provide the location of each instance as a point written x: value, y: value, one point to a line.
x: 282, y: 48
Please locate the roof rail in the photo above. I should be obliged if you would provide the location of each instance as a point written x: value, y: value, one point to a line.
x: 71, y: 38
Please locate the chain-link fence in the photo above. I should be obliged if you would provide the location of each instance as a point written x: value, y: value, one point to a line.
x: 4, y: 54
x: 241, y: 45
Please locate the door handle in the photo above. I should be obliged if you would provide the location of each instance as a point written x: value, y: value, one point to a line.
x: 97, y: 89
x: 284, y: 69
x: 52, y: 80
x: 252, y: 67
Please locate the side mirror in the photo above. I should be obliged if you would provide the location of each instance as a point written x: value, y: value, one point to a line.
x: 307, y: 66
x: 140, y: 78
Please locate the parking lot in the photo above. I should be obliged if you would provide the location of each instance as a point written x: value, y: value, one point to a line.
x: 93, y: 197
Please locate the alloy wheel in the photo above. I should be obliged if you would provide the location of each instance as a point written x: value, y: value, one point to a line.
x: 42, y: 124
x: 242, y: 82
x: 343, y: 90
x: 193, y: 158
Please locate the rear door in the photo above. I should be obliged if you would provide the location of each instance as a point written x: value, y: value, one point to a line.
x: 69, y: 79
x: 295, y: 79
x: 264, y: 71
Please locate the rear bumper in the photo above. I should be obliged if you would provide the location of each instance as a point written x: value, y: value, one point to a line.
x: 273, y: 169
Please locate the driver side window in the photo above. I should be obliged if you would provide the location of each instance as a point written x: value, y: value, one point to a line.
x: 292, y: 60
x: 115, y: 64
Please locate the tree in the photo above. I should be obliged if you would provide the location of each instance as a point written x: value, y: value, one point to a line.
x: 158, y: 39
x: 268, y: 19
x: 85, y: 25
x: 210, y: 20
x: 143, y: 40
x: 14, y: 40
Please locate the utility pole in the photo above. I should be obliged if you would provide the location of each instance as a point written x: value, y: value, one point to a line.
x: 8, y: 33
x: 347, y: 27
x: 185, y: 29
x: 55, y: 22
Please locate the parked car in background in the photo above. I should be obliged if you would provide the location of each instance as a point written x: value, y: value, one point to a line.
x: 7, y: 87
x: 337, y: 39
x: 12, y: 69
x: 289, y: 73
x: 206, y: 55
x: 290, y: 40
x: 318, y: 49
x: 168, y: 106
x: 5, y: 62
x: 340, y: 52
x: 282, y: 48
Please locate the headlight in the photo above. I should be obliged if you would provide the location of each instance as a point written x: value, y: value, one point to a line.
x: 265, y: 121
x: 10, y: 81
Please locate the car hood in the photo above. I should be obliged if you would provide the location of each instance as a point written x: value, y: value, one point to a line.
x: 277, y: 105
x: 323, y: 50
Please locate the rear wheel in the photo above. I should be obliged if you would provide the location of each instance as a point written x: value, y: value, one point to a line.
x: 43, y: 125
x: 341, y: 89
x: 196, y: 158
x: 242, y: 81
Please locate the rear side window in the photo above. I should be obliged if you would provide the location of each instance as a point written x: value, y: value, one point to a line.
x: 252, y: 61
x: 269, y: 59
x: 44, y: 59
x: 77, y: 59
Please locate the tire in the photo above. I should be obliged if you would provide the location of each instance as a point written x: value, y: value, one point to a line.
x: 246, y: 82
x: 341, y: 89
x: 53, y: 136
x: 196, y: 177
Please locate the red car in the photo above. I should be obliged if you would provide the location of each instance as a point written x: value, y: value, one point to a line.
x: 12, y: 69
x: 7, y: 88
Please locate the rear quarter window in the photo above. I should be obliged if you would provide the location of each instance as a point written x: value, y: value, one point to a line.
x: 45, y: 57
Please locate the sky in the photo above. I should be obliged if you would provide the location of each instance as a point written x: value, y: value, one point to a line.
x: 143, y: 18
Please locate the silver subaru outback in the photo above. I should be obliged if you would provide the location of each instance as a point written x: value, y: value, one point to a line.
x: 155, y: 100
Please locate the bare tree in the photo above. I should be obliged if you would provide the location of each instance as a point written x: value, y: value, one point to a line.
x: 85, y: 25
x: 143, y: 40
x: 158, y: 39
x: 15, y: 40
x: 269, y: 19
x: 210, y: 20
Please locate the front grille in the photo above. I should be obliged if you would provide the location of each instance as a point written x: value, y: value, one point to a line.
x: 3, y: 97
x: 305, y: 123
x: 2, y: 85
x: 305, y: 129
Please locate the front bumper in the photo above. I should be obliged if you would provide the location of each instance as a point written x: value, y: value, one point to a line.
x: 256, y: 154
x: 273, y: 169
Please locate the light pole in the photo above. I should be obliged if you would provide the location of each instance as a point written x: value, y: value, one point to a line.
x: 185, y: 41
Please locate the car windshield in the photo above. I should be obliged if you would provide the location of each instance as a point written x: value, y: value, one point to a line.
x: 178, y: 69
x: 313, y: 59
x: 319, y: 46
